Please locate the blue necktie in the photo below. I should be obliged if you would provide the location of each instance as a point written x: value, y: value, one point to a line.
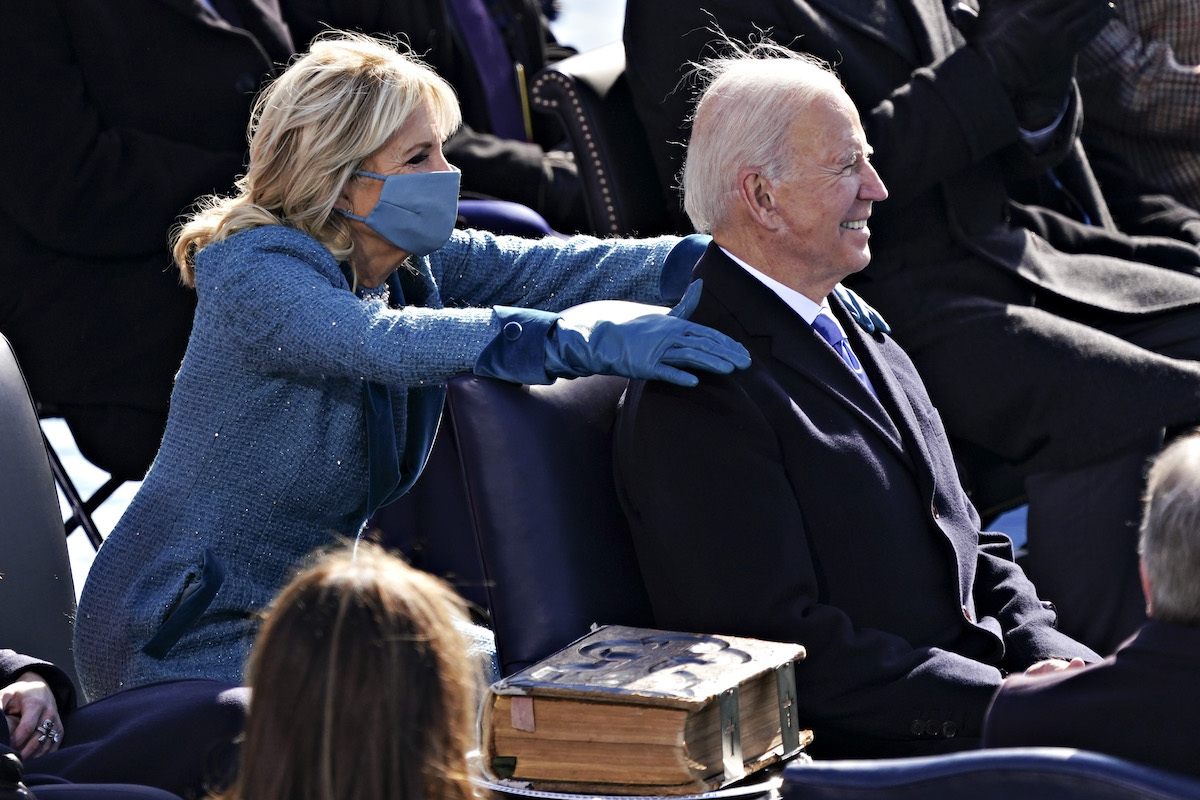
x: 830, y: 332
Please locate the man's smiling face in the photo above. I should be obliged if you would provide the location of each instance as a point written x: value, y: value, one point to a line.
x: 824, y: 199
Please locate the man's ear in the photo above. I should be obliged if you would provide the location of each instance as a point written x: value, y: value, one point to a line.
x: 757, y: 196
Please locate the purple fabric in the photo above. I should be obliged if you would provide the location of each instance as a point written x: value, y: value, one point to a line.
x: 492, y: 64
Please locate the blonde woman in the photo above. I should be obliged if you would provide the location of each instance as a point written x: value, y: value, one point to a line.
x: 334, y: 298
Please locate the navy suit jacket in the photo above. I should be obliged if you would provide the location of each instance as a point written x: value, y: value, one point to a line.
x: 1141, y: 703
x: 785, y: 502
x: 178, y: 736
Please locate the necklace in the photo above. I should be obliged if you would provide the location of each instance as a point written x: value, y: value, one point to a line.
x: 382, y: 294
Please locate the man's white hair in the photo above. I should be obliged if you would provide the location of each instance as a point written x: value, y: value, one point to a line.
x: 1170, y: 532
x: 752, y: 97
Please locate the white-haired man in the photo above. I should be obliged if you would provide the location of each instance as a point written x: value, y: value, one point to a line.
x: 813, y: 497
x: 1056, y: 351
x: 1141, y: 702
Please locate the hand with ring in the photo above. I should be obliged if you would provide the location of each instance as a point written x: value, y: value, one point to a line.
x: 48, y: 731
x: 34, y: 725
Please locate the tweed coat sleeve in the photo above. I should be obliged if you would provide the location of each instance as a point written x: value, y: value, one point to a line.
x: 283, y: 300
x: 477, y: 268
x: 1141, y: 87
x: 1146, y: 85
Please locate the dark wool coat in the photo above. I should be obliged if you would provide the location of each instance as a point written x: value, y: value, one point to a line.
x: 122, y: 113
x: 785, y: 502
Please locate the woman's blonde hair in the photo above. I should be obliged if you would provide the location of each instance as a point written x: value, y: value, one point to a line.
x: 362, y: 687
x: 309, y: 131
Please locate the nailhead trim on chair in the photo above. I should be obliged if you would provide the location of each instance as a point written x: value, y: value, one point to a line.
x: 551, y: 104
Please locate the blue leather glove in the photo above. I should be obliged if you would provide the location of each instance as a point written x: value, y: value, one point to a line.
x: 637, y: 341
x: 867, y: 318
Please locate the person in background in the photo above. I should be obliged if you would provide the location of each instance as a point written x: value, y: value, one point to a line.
x: 126, y: 112
x: 813, y: 498
x: 1141, y: 702
x: 180, y: 737
x: 334, y: 299
x: 489, y: 51
x: 1140, y: 83
x: 363, y: 689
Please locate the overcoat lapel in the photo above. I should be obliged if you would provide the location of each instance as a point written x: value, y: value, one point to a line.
x: 194, y: 9
x: 802, y: 349
x: 929, y: 24
x: 267, y: 25
x: 892, y: 395
x: 794, y: 344
x: 920, y: 31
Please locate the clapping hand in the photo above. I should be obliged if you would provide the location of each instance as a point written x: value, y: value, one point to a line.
x: 1031, y: 46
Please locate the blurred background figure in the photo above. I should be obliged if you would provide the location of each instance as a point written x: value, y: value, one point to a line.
x: 1139, y: 703
x: 129, y: 110
x: 1140, y: 81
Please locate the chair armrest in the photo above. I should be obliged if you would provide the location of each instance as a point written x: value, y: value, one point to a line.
x: 589, y: 95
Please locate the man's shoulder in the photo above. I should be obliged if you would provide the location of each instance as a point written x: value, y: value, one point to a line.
x: 1025, y: 700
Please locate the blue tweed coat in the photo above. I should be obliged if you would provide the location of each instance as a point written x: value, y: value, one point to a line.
x: 264, y: 454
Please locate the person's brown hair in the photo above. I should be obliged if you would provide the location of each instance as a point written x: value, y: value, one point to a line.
x: 362, y: 687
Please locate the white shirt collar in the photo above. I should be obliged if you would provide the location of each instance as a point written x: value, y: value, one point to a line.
x: 802, y: 305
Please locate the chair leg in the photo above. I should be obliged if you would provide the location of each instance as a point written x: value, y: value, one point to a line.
x: 82, y: 517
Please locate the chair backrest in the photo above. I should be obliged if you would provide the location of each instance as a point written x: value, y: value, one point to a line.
x: 1030, y: 773
x: 589, y: 95
x: 431, y: 525
x: 556, y: 552
x: 37, y: 593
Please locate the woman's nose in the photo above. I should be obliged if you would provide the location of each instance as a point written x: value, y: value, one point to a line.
x: 439, y: 163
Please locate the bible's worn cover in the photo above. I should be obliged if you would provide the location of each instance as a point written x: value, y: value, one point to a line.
x: 638, y: 711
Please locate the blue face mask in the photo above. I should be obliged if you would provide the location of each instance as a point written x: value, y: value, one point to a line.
x: 416, y: 210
